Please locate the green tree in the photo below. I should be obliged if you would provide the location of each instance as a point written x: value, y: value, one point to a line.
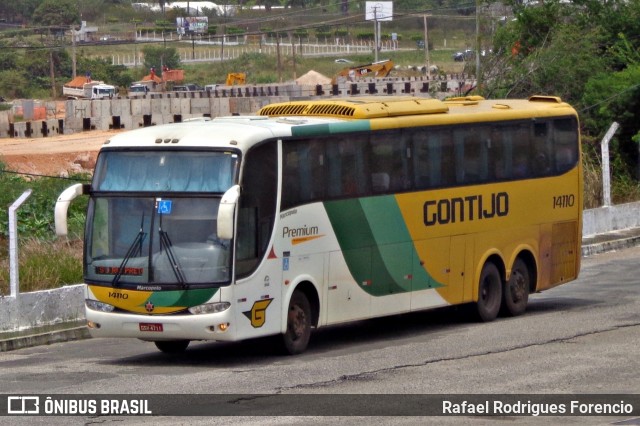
x: 18, y: 11
x: 7, y: 61
x: 36, y: 63
x: 615, y: 96
x: 561, y: 66
x: 102, y: 69
x: 158, y: 56
x: 60, y: 13
x: 267, y: 4
x: 13, y: 84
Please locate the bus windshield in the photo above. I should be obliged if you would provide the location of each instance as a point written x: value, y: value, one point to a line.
x: 165, y: 171
x: 164, y: 240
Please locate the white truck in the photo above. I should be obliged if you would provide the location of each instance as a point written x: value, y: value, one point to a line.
x: 143, y: 87
x: 90, y: 90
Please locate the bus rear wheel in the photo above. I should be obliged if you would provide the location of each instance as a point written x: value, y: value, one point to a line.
x: 489, y: 293
x: 172, y: 346
x: 516, y: 290
x: 296, y: 337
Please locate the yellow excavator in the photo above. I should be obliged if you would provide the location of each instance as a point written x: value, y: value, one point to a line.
x: 236, y: 78
x: 375, y: 69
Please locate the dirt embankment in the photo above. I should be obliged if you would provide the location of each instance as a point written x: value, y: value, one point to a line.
x: 55, y: 155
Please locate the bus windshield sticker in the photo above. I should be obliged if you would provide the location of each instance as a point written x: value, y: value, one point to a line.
x: 164, y: 206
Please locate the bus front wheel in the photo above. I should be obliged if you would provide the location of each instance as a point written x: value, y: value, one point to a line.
x: 516, y: 290
x: 296, y: 337
x: 489, y: 293
x: 172, y: 346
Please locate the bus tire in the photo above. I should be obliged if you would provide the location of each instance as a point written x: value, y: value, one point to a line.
x: 172, y: 346
x: 489, y: 293
x: 516, y: 290
x: 296, y: 337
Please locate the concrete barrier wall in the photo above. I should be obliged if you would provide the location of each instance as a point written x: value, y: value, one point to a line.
x: 40, y: 308
x: 613, y: 218
x: 160, y: 108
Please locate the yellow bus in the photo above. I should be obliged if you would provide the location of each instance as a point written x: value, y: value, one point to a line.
x: 319, y: 212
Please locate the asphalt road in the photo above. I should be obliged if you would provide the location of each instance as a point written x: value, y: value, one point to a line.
x: 580, y: 338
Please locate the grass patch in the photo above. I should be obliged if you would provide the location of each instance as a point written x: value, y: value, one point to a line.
x: 44, y: 261
x: 43, y: 264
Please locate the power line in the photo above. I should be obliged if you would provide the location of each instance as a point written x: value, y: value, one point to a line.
x: 45, y: 176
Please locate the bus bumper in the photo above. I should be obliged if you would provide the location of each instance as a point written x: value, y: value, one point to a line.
x: 216, y: 326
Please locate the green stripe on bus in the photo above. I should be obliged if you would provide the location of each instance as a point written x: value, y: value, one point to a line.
x: 187, y: 298
x: 331, y: 128
x: 377, y: 245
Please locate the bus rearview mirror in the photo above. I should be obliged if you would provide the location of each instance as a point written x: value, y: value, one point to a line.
x: 62, y: 205
x: 226, y: 212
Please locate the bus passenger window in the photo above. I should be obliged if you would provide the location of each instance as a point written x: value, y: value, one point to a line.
x: 426, y: 174
x: 290, y: 180
x: 346, y: 167
x: 521, y: 165
x: 389, y: 162
x: 257, y: 207
x: 380, y: 182
x: 564, y: 159
x: 565, y: 136
x: 541, y: 149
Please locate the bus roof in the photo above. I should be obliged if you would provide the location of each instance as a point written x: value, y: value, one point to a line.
x: 370, y: 107
x: 330, y: 116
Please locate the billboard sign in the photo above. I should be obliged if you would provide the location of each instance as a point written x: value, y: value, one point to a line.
x: 192, y: 25
x: 379, y: 11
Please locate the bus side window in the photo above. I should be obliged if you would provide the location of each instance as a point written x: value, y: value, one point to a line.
x: 389, y: 162
x: 541, y: 149
x: 303, y: 176
x: 346, y: 167
x: 447, y: 159
x: 515, y: 142
x: 257, y: 206
x: 473, y: 147
x: 424, y: 176
x: 565, y: 138
x: 290, y: 179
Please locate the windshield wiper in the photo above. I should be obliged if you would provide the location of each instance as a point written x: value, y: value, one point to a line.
x: 136, y: 245
x: 165, y: 242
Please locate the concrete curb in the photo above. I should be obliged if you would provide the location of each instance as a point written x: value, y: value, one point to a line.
x: 607, y: 246
x: 66, y: 335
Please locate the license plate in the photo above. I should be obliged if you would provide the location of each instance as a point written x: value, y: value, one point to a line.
x: 146, y: 326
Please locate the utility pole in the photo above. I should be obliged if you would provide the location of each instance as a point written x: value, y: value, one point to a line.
x: 52, y: 70
x: 279, y: 64
x: 376, y: 32
x: 293, y: 55
x: 478, y: 46
x: 135, y: 45
x: 426, y: 45
x: 73, y: 52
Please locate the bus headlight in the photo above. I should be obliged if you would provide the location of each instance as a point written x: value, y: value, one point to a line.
x: 98, y: 306
x: 210, y: 308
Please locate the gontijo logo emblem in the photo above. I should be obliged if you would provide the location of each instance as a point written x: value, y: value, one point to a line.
x: 258, y: 313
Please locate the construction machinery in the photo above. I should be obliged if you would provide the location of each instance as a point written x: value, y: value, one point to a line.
x: 85, y: 88
x: 236, y: 78
x: 152, y: 82
x: 375, y: 69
